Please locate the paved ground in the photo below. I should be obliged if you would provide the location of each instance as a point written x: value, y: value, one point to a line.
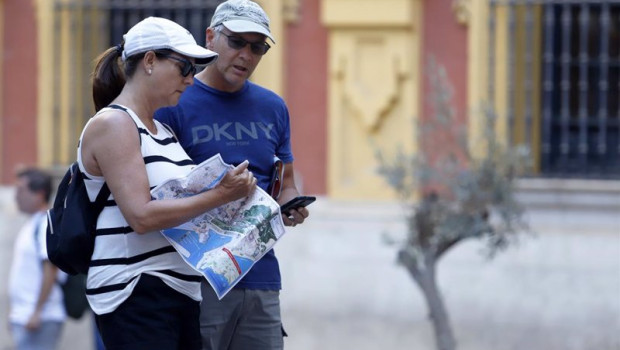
x: 559, y: 290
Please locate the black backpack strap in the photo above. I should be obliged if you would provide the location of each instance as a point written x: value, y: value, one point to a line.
x: 103, y: 194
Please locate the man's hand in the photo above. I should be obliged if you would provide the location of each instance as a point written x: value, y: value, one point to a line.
x: 289, y: 191
x: 295, y: 216
x: 50, y: 272
x: 34, y: 321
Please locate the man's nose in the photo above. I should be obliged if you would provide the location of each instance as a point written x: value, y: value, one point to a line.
x: 246, y: 51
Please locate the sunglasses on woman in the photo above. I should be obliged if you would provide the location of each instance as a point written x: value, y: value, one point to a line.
x: 237, y: 43
x: 186, y: 69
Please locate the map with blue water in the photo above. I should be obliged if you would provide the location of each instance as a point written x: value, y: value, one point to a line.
x: 224, y: 243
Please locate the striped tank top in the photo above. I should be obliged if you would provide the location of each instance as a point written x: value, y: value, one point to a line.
x: 121, y: 255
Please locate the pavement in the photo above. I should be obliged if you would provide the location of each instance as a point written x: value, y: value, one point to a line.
x: 558, y: 289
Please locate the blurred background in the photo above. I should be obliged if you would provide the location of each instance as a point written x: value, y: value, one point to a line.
x: 354, y: 74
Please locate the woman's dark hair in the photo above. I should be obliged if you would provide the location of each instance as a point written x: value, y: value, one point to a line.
x: 109, y: 76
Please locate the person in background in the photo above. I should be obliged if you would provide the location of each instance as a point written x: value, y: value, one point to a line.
x: 142, y: 292
x: 36, y: 311
x: 223, y: 112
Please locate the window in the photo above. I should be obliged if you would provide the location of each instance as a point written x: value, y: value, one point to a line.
x: 75, y: 34
x: 554, y: 76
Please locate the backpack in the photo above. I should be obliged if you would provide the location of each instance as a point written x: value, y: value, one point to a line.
x: 70, y: 236
x: 71, y: 223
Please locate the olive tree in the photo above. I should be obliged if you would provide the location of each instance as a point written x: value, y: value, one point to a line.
x: 451, y: 195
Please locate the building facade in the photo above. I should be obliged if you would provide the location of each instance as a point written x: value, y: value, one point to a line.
x: 353, y: 73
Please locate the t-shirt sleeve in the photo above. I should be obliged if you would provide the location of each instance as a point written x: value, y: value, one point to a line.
x: 284, y: 150
x: 42, y: 241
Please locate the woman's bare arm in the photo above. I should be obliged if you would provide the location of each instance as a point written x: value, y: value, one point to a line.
x: 111, y: 147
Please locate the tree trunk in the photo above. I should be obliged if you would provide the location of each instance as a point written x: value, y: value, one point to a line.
x: 425, y: 278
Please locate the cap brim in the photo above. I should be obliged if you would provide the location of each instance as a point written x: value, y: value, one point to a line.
x: 242, y: 26
x: 201, y: 55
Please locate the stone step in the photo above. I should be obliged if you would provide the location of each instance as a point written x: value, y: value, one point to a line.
x: 570, y: 195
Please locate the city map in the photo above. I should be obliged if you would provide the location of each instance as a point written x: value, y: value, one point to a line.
x: 223, y: 243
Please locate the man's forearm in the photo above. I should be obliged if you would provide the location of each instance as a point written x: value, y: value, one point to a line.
x: 49, y: 279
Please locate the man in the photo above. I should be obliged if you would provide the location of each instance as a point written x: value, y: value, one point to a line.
x: 225, y: 113
x: 36, y: 313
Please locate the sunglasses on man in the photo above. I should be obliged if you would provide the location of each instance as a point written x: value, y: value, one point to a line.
x: 236, y: 42
x: 186, y: 69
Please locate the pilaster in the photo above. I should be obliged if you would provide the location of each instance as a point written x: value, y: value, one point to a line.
x: 269, y: 73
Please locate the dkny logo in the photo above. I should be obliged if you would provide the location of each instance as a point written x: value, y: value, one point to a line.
x: 231, y: 132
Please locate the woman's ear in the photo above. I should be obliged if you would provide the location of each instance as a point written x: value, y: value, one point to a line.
x: 149, y: 60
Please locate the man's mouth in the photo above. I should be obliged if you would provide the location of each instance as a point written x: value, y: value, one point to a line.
x: 240, y: 68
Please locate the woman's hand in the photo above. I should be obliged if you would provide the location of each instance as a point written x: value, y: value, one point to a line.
x: 239, y: 182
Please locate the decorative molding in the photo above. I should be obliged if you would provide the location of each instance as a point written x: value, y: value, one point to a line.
x: 462, y: 11
x: 369, y: 13
x: 291, y: 11
x: 371, y: 86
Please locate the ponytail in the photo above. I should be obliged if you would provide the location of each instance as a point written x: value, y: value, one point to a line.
x: 108, y: 77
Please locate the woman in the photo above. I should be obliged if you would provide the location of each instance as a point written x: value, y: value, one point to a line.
x: 143, y: 294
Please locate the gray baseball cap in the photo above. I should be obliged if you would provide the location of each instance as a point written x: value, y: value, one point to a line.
x: 242, y: 16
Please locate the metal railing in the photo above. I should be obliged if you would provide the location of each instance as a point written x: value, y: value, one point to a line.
x: 85, y: 28
x: 563, y: 82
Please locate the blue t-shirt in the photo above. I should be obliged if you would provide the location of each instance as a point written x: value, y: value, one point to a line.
x: 253, y: 124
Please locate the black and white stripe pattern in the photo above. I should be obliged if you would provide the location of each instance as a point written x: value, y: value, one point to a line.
x: 120, y: 254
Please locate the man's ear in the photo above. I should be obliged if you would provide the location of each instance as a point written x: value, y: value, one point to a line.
x: 210, y: 37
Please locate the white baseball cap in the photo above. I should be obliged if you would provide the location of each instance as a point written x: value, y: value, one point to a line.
x: 155, y: 33
x: 242, y: 16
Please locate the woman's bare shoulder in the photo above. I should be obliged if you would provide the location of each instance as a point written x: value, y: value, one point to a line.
x: 112, y: 122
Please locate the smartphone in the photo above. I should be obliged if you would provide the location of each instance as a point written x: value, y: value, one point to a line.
x: 297, y: 202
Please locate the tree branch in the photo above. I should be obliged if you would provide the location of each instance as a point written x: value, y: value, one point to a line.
x: 446, y: 245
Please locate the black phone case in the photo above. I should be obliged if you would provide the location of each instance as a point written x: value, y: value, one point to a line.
x: 297, y: 202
